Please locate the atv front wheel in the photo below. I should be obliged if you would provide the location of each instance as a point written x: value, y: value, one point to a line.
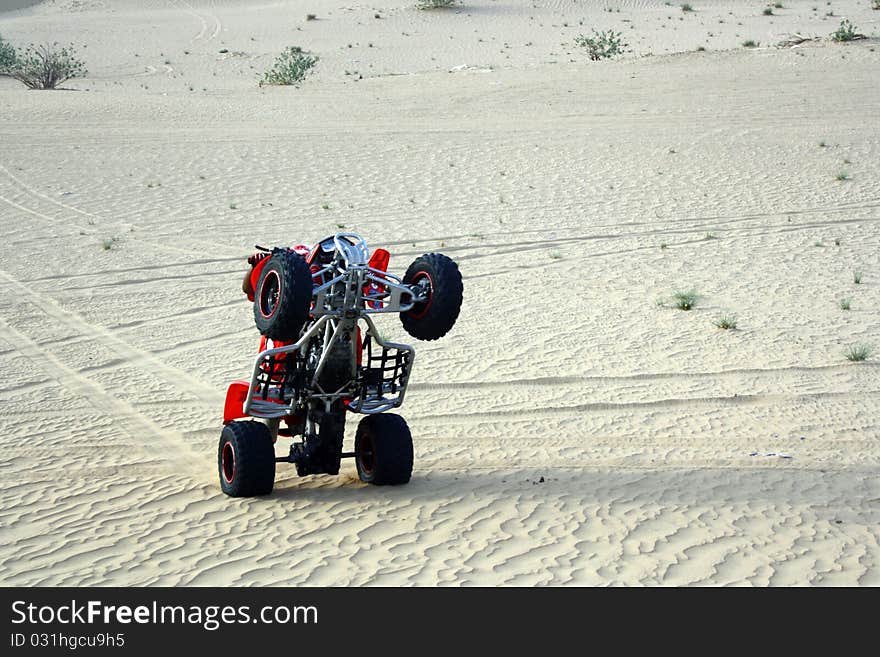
x: 283, y: 296
x: 383, y: 450
x: 437, y: 276
x: 246, y: 459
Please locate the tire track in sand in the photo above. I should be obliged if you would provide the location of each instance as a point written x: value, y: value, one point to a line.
x: 125, y: 351
x: 136, y: 423
x: 91, y: 216
x: 187, y: 8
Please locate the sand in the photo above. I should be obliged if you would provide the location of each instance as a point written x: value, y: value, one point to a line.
x: 571, y: 429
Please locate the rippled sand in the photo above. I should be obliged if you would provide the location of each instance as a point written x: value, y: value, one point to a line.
x: 571, y: 429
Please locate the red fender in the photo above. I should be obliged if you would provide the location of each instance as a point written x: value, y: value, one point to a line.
x: 379, y: 260
x: 236, y: 394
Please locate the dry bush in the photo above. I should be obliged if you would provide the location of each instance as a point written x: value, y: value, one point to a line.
x: 46, y: 66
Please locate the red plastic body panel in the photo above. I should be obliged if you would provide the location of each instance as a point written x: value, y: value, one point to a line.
x: 236, y: 394
x: 379, y: 260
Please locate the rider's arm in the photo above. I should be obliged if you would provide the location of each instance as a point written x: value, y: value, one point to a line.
x: 246, y: 285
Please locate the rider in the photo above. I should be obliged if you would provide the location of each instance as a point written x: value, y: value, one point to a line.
x: 249, y: 284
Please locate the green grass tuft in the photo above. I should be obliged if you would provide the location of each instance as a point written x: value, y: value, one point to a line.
x: 685, y: 300
x: 726, y: 322
x: 858, y: 352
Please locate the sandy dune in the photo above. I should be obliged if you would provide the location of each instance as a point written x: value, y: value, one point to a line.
x: 570, y: 429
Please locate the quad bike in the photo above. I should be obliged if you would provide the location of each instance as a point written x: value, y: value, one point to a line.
x: 322, y: 357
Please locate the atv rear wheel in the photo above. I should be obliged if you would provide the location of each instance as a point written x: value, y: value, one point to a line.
x: 282, y: 296
x: 246, y: 459
x: 439, y: 277
x: 384, y: 450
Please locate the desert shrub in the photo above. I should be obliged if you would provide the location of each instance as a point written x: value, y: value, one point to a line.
x: 726, y: 322
x: 686, y: 8
x: 841, y: 176
x: 875, y: 4
x: 845, y: 32
x: 750, y: 43
x: 602, y: 45
x: 845, y: 304
x: 685, y: 300
x: 435, y: 4
x: 8, y: 58
x: 290, y: 67
x: 858, y: 352
x: 47, y: 66
x: 857, y: 277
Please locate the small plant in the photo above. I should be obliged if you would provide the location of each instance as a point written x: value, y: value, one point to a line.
x: 686, y: 8
x: 845, y: 304
x: 845, y: 32
x: 555, y: 255
x: 711, y: 236
x: 818, y: 244
x: 768, y: 11
x: 46, y: 66
x: 290, y: 68
x: 777, y: 5
x: 311, y: 17
x: 858, y: 352
x: 109, y: 242
x: 836, y: 241
x: 435, y: 4
x: 726, y: 322
x: 875, y: 5
x: 664, y: 245
x: 602, y: 45
x: 325, y: 206
x: 841, y: 176
x: 857, y: 277
x: 822, y: 144
x: 233, y: 206
x: 685, y: 300
x: 750, y: 43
